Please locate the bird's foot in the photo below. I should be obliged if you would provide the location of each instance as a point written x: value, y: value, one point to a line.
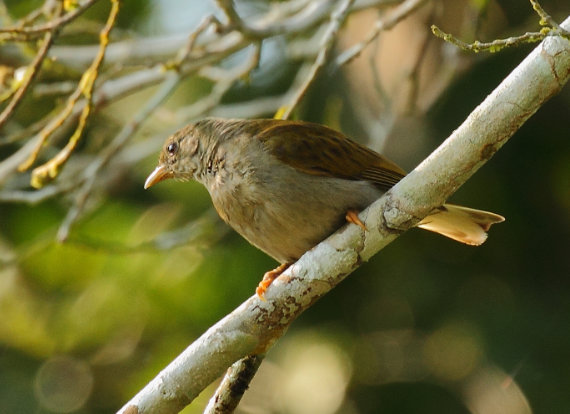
x: 268, y: 278
x: 352, y: 217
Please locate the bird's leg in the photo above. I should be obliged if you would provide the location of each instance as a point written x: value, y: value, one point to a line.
x: 352, y: 217
x: 268, y: 278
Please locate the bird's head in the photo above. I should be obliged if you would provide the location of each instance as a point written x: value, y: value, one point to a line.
x: 180, y: 157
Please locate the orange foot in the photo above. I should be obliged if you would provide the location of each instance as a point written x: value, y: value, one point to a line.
x: 352, y: 217
x: 268, y: 278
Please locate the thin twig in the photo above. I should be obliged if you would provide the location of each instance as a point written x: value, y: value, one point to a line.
x: 545, y: 19
x: 201, y: 232
x: 24, y: 133
x: 169, y: 85
x: 33, y: 197
x: 286, y: 20
x: 492, y: 47
x: 185, y: 52
x: 337, y: 18
x: 234, y: 384
x: 91, y: 172
x: 233, y: 19
x: 382, y: 123
x: 157, y: 48
x: 384, y: 23
x: 31, y: 72
x: 414, y: 75
x: 107, y: 93
x: 48, y: 171
x: 46, y: 27
x: 550, y: 27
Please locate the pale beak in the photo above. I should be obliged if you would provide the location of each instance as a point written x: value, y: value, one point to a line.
x: 159, y: 174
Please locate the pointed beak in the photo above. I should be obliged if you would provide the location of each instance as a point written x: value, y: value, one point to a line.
x: 159, y: 174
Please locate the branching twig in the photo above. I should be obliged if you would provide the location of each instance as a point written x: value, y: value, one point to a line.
x: 545, y: 19
x: 494, y: 46
x: 184, y: 53
x: 130, y: 128
x: 337, y: 18
x: 214, y: 46
x: 414, y: 75
x: 287, y: 20
x: 384, y: 23
x: 550, y: 27
x: 200, y: 232
x: 91, y: 172
x: 151, y: 49
x: 33, y: 197
x: 48, y: 171
x: 22, y: 32
x: 30, y: 74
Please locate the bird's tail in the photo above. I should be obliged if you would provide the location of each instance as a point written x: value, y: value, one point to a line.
x: 463, y: 224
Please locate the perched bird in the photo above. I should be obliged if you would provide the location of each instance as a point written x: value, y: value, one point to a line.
x: 287, y: 185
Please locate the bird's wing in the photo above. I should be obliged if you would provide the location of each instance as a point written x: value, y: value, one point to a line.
x: 318, y: 150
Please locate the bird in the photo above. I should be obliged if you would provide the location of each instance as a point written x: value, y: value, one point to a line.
x: 286, y: 185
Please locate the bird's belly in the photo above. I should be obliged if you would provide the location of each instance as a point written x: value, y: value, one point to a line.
x: 285, y: 224
x: 286, y: 240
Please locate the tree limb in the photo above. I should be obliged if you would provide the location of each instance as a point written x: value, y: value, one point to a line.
x: 255, y: 325
x: 233, y: 386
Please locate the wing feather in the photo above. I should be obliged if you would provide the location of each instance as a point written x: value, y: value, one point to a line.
x: 318, y: 150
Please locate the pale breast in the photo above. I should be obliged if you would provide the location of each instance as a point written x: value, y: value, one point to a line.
x: 285, y: 213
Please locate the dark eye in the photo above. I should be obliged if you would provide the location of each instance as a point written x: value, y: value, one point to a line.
x: 172, y: 148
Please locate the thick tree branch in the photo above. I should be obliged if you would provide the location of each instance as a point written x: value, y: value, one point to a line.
x: 255, y: 325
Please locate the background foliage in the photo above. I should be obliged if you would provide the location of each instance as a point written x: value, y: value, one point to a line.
x: 427, y: 326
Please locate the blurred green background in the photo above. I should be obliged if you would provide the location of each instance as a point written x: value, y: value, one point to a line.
x: 427, y: 326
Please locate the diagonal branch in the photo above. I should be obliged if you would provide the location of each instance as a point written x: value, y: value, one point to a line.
x: 29, y: 76
x: 46, y: 27
x: 337, y: 18
x: 233, y: 385
x: 255, y: 325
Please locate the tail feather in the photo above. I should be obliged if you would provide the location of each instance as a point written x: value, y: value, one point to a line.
x: 463, y: 224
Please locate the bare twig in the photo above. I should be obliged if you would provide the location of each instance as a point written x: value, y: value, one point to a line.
x: 15, y: 33
x: 48, y: 171
x: 384, y: 23
x: 214, y: 47
x: 494, y: 46
x: 184, y: 52
x: 33, y: 197
x: 234, y: 385
x: 287, y: 20
x: 30, y: 74
x: 233, y: 19
x: 414, y: 75
x: 224, y: 79
x: 545, y: 19
x: 337, y: 18
x: 130, y: 128
x: 550, y: 27
x: 201, y: 232
x: 91, y: 172
x: 145, y: 49
x: 108, y: 92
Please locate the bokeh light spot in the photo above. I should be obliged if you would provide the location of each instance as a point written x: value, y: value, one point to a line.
x: 63, y: 384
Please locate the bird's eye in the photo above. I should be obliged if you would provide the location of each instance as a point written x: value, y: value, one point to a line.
x: 172, y: 148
